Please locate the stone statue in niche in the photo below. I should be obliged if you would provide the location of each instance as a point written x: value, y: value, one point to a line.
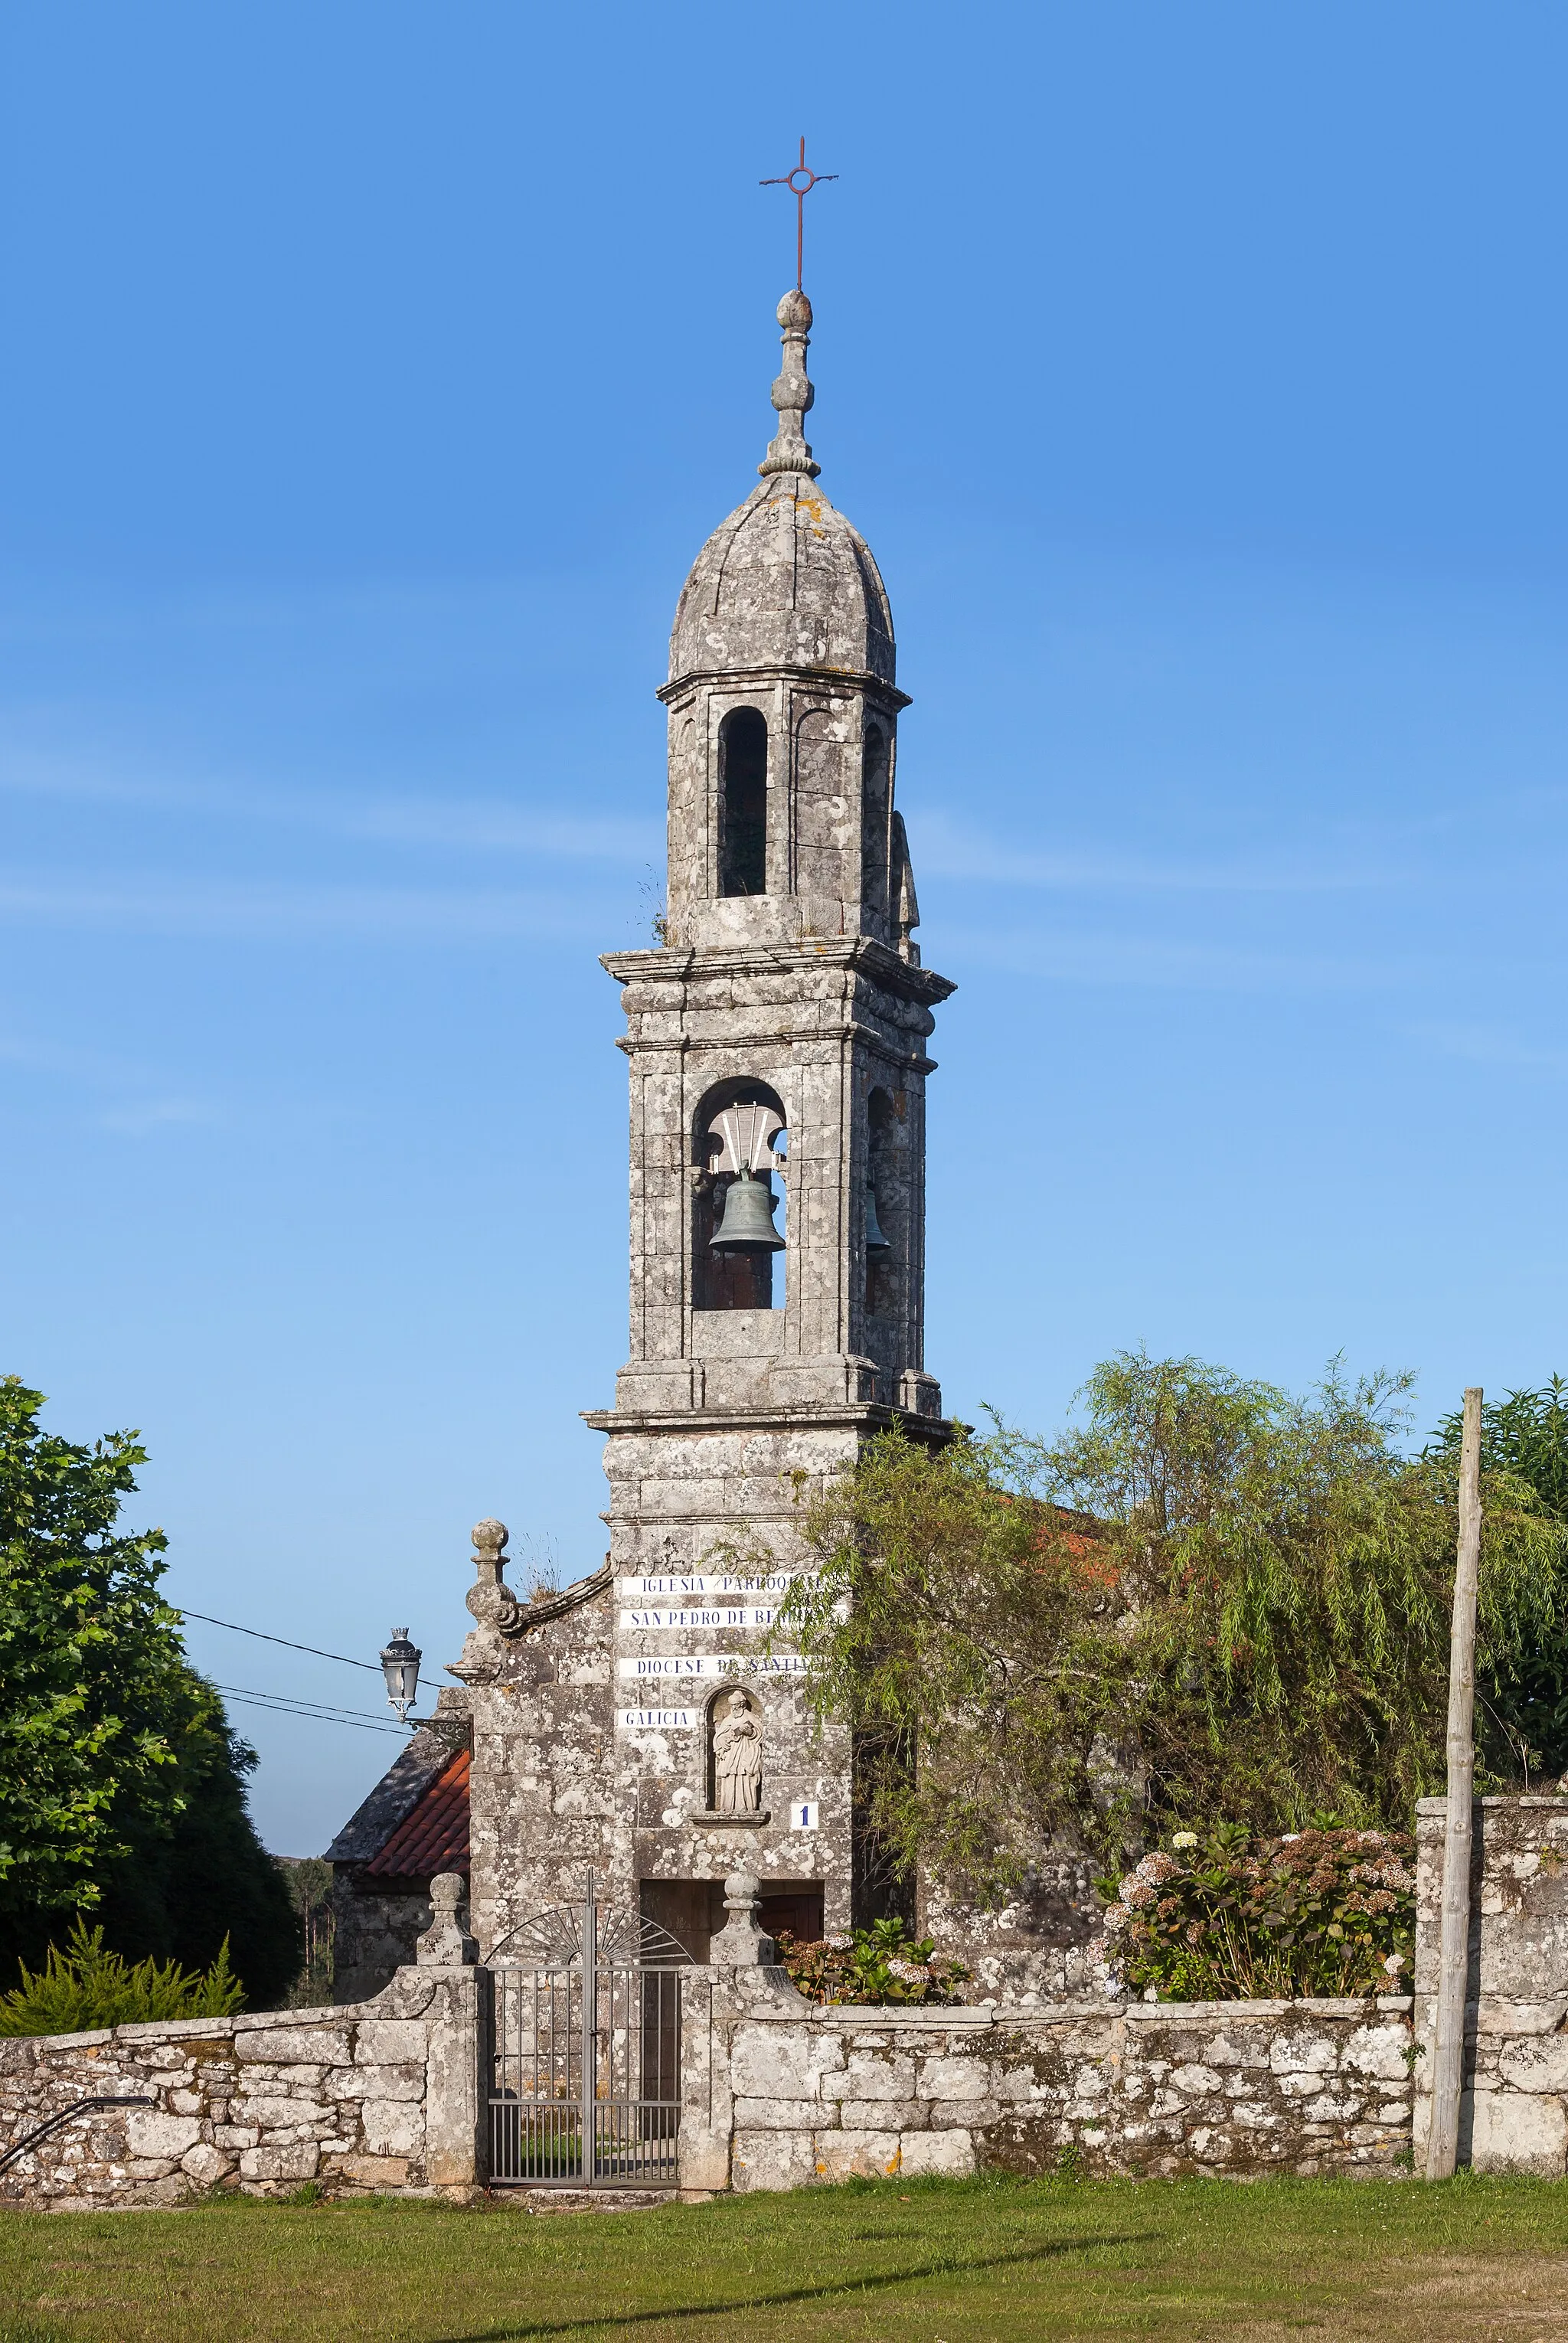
x: 736, y: 1757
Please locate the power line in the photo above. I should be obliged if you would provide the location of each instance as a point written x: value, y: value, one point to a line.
x: 263, y: 1637
x: 277, y: 1708
x: 269, y: 1708
x: 298, y: 1700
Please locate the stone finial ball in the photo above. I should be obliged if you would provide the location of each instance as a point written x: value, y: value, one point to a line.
x: 742, y: 1887
x: 794, y: 309
x: 490, y: 1535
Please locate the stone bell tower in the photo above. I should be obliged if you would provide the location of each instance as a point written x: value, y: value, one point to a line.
x: 777, y: 1048
x: 787, y: 979
x: 777, y: 1035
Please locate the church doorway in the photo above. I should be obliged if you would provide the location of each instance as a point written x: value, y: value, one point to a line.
x: 798, y: 1909
x: 692, y: 1910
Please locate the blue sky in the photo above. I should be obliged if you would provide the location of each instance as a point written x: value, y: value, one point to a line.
x: 375, y: 373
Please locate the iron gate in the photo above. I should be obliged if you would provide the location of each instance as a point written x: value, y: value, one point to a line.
x: 586, y: 2051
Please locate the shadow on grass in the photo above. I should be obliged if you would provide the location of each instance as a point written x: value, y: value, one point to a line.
x: 786, y: 2296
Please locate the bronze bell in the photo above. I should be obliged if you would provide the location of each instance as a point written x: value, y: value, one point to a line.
x: 875, y: 1240
x: 747, y: 1225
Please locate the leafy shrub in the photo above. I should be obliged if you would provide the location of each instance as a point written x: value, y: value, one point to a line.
x: 882, y: 1963
x: 85, y: 1986
x: 1234, y: 1919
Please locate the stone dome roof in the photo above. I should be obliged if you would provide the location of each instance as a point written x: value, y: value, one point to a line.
x: 785, y: 581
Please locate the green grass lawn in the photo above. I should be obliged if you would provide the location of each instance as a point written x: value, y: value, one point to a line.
x: 932, y: 2262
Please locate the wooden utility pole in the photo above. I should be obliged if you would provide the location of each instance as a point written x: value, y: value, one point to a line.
x: 1453, y: 1959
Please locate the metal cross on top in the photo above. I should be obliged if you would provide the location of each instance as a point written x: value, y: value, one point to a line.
x: 799, y: 182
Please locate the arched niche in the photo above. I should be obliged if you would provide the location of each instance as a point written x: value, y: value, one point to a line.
x: 823, y: 820
x: 876, y: 809
x: 738, y: 1122
x: 735, y: 1743
x: 884, y: 1181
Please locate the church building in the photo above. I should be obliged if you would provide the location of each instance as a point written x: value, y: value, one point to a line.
x: 776, y: 1045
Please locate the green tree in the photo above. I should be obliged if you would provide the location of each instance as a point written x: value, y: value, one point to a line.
x: 1525, y: 1695
x: 308, y: 1878
x: 201, y: 1878
x: 1208, y: 1601
x: 122, y: 1787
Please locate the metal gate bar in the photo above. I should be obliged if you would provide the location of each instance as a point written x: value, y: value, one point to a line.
x: 586, y: 2086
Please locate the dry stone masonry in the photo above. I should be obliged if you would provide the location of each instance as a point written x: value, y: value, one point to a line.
x: 776, y: 2092
x: 1513, y: 2115
x: 367, y: 2100
x: 1221, y: 2088
x: 384, y: 2096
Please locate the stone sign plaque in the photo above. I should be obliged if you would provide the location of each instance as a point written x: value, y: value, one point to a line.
x: 703, y: 1585
x: 714, y: 1665
x: 745, y: 1616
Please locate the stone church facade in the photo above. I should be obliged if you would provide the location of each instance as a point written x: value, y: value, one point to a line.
x: 776, y: 1045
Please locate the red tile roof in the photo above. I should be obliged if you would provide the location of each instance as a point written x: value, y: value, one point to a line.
x: 435, y: 1836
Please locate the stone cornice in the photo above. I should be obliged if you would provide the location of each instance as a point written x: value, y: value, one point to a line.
x: 679, y: 963
x: 545, y: 1607
x: 911, y: 1059
x: 865, y: 1415
x: 829, y: 677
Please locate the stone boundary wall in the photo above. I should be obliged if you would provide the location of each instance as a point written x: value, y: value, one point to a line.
x: 1513, y: 2114
x: 383, y: 2095
x: 779, y: 2093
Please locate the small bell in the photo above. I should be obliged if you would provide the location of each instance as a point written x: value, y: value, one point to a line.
x: 747, y: 1225
x: 875, y: 1240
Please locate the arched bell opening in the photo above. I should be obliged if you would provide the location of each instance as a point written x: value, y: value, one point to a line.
x: 882, y: 1203
x: 739, y: 1147
x: 875, y: 811
x: 743, y: 803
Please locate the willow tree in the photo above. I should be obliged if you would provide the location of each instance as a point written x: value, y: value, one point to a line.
x: 1208, y: 1601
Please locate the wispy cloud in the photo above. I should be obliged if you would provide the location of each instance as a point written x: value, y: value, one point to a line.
x: 947, y: 851
x: 1172, y: 964
x: 475, y: 822
x: 139, y: 1099
x: 409, y: 818
x: 158, y: 1114
x: 199, y: 906
x: 1489, y: 1045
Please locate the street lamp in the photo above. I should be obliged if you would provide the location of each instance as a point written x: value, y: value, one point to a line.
x: 400, y: 1666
